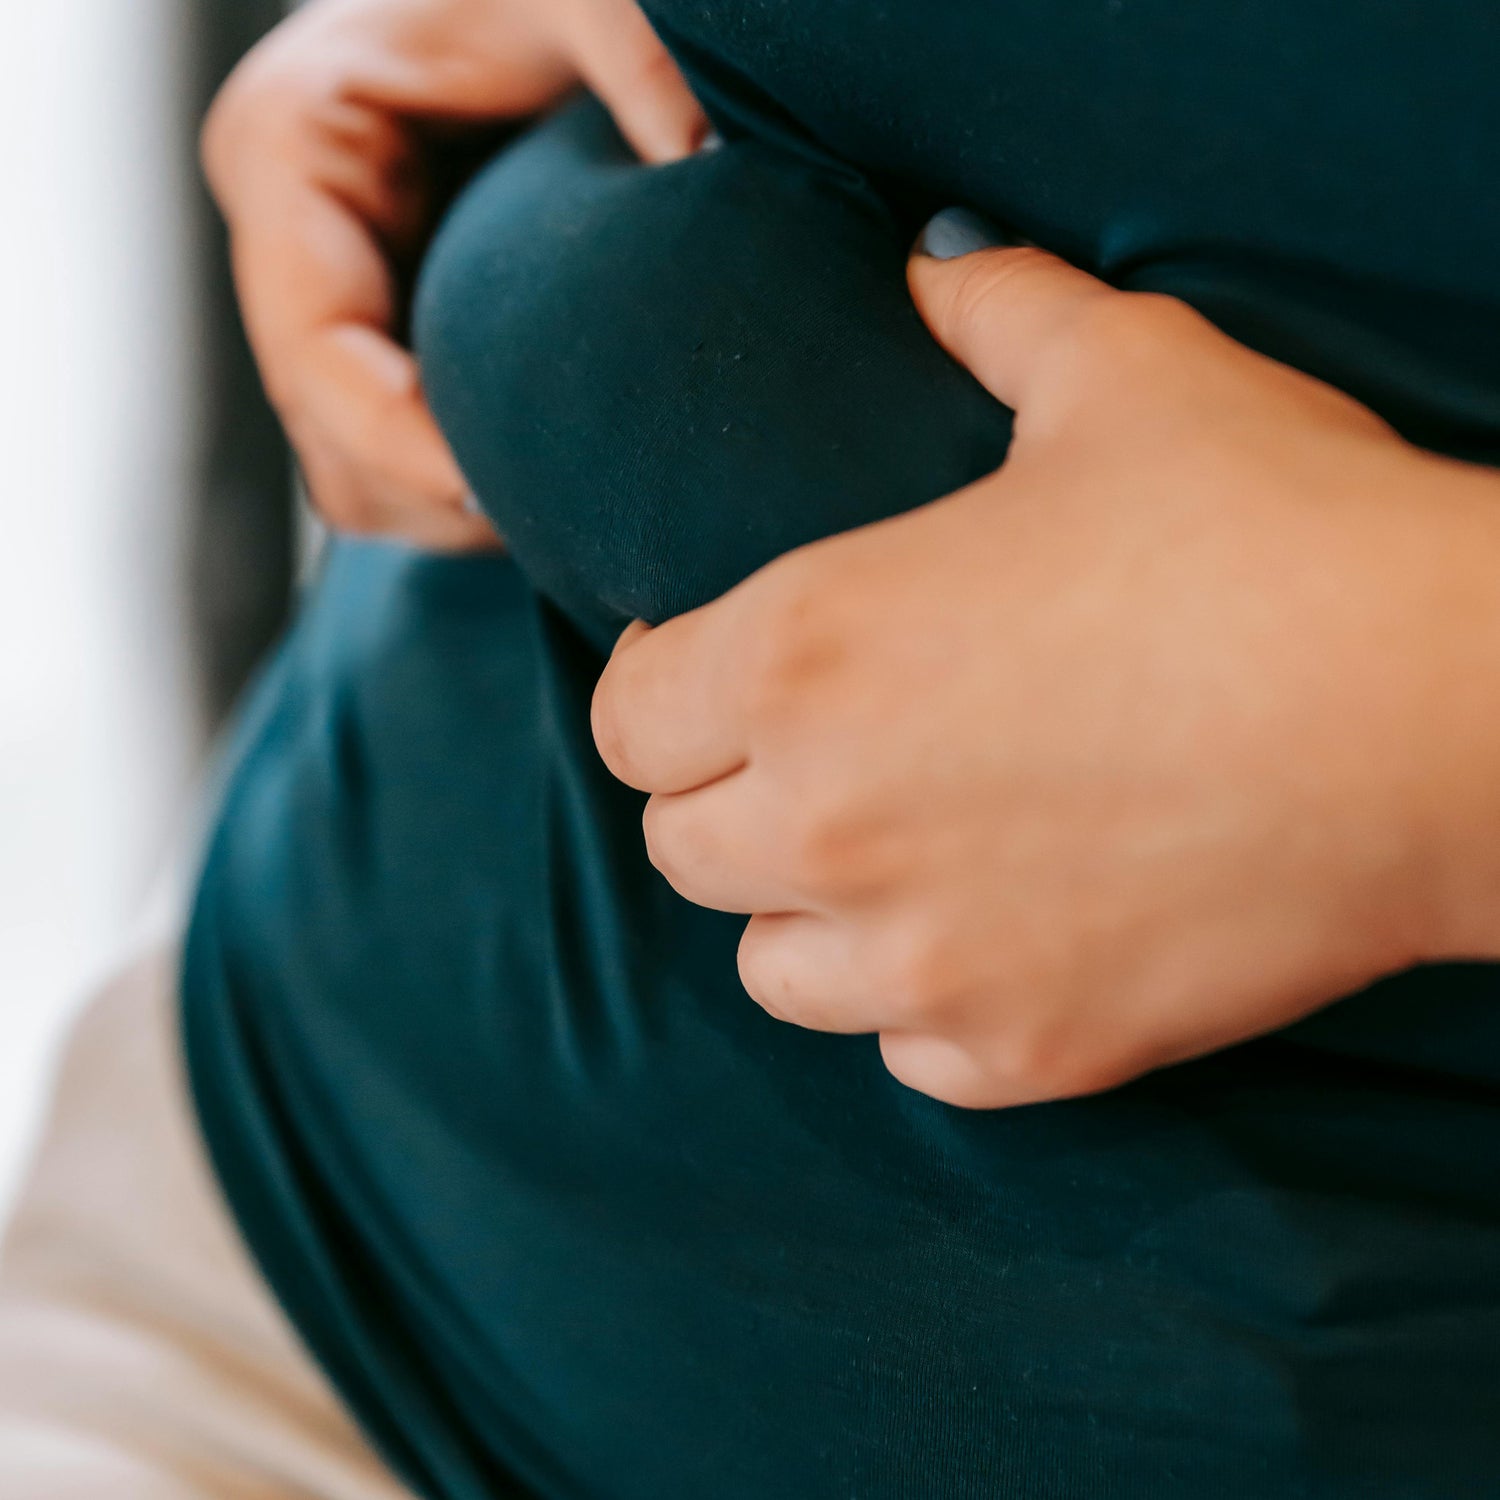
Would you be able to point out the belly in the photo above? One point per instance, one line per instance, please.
(658, 379)
(561, 1211)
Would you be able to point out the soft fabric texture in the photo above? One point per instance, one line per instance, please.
(560, 1211)
(657, 380)
(141, 1357)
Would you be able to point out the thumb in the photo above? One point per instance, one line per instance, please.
(996, 309)
(624, 62)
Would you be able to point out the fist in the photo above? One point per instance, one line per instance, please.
(320, 151)
(1172, 730)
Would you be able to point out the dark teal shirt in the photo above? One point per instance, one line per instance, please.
(558, 1209)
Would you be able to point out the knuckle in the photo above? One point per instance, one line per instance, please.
(904, 1065)
(1109, 328)
(676, 845)
(1037, 1063)
(790, 652)
(1160, 311)
(1025, 1063)
(824, 851)
(920, 971)
(220, 138)
(936, 1068)
(1131, 330)
(659, 841)
(261, 101)
(1017, 1065)
(605, 720)
(763, 975)
(214, 144)
(297, 80)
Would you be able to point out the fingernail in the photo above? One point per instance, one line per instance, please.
(470, 503)
(955, 232)
(712, 141)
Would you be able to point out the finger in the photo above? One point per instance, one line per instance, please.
(354, 499)
(318, 304)
(666, 716)
(629, 636)
(365, 412)
(365, 391)
(810, 971)
(946, 1070)
(718, 846)
(622, 59)
(999, 311)
(987, 1070)
(453, 534)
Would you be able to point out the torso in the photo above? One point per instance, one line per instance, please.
(560, 1211)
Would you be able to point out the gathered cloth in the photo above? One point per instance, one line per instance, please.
(560, 1212)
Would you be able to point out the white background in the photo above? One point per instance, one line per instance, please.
(97, 746)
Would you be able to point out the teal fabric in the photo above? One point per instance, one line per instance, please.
(558, 1209)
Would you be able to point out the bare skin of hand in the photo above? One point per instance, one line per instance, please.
(1176, 728)
(317, 151)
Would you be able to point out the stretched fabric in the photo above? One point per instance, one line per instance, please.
(557, 1208)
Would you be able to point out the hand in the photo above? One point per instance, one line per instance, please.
(1177, 727)
(317, 150)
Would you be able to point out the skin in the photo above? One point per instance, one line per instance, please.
(1174, 729)
(319, 150)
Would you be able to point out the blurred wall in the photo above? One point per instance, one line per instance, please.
(243, 532)
(99, 736)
